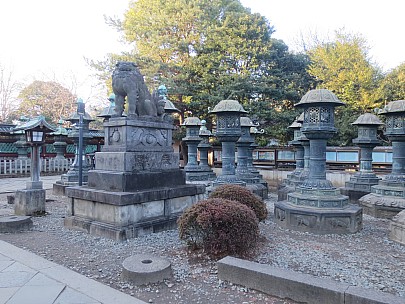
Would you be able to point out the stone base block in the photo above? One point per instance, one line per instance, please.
(118, 232)
(123, 215)
(29, 202)
(127, 182)
(58, 189)
(354, 195)
(259, 189)
(397, 228)
(382, 206)
(319, 220)
(200, 176)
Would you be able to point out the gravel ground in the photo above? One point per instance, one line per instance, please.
(367, 259)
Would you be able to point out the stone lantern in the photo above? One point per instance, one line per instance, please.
(244, 156)
(305, 144)
(21, 143)
(294, 178)
(192, 139)
(31, 201)
(203, 148)
(243, 145)
(388, 197)
(60, 144)
(228, 131)
(361, 182)
(316, 205)
(72, 176)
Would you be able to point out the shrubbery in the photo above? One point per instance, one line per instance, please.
(221, 227)
(243, 196)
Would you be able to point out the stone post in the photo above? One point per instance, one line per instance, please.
(360, 183)
(316, 205)
(228, 132)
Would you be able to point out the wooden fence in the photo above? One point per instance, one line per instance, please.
(22, 166)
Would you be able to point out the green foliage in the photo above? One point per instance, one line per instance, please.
(220, 227)
(205, 51)
(393, 85)
(343, 67)
(47, 98)
(244, 196)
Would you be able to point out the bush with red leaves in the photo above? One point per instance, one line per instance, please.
(220, 227)
(244, 196)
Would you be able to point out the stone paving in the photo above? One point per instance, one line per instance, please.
(26, 278)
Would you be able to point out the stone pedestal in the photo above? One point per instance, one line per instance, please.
(136, 187)
(397, 228)
(29, 202)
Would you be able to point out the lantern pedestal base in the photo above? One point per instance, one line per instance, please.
(318, 220)
(30, 202)
(382, 206)
(397, 228)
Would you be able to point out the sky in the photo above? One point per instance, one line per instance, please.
(49, 39)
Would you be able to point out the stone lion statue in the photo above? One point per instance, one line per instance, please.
(128, 84)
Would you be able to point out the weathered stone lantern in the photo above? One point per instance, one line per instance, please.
(360, 183)
(243, 171)
(72, 176)
(294, 178)
(203, 147)
(253, 170)
(388, 197)
(317, 206)
(228, 131)
(21, 143)
(60, 136)
(243, 144)
(31, 201)
(305, 143)
(192, 140)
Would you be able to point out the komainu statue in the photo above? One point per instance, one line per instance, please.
(128, 84)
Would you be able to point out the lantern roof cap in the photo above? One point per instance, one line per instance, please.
(38, 122)
(393, 106)
(60, 129)
(247, 122)
(300, 119)
(295, 125)
(203, 129)
(317, 96)
(170, 107)
(228, 105)
(191, 121)
(368, 119)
